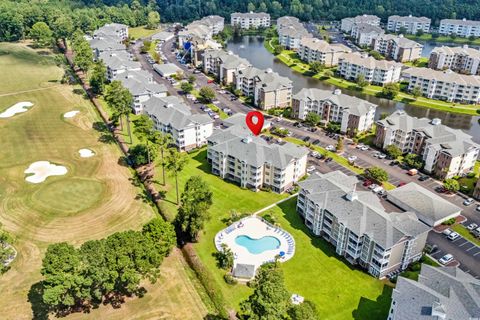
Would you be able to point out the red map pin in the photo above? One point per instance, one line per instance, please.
(255, 127)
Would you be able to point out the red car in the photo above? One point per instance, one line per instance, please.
(401, 184)
(210, 81)
(366, 183)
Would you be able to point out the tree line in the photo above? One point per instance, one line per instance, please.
(187, 10)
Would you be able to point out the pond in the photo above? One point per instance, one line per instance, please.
(252, 49)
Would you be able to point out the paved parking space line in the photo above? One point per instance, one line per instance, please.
(476, 254)
(464, 243)
(472, 247)
(459, 238)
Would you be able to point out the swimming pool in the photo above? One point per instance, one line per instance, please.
(257, 246)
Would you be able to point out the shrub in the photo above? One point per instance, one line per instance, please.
(229, 279)
(449, 222)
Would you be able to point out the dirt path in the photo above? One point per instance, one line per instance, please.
(27, 91)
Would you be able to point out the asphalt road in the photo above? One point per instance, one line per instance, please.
(466, 254)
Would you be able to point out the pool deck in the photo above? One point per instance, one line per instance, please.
(255, 228)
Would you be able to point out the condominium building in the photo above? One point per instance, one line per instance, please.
(195, 31)
(216, 23)
(365, 33)
(439, 293)
(459, 59)
(446, 152)
(347, 24)
(249, 160)
(462, 28)
(114, 30)
(313, 49)
(223, 65)
(444, 85)
(142, 86)
(408, 24)
(118, 62)
(381, 72)
(170, 115)
(105, 44)
(290, 36)
(357, 225)
(250, 20)
(268, 89)
(397, 48)
(287, 21)
(354, 115)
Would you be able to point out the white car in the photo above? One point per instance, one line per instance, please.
(381, 156)
(447, 232)
(360, 146)
(452, 236)
(472, 226)
(468, 202)
(364, 148)
(378, 189)
(373, 186)
(352, 158)
(478, 208)
(314, 153)
(330, 148)
(446, 259)
(311, 169)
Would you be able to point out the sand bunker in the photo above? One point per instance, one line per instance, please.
(41, 170)
(86, 153)
(16, 108)
(71, 114)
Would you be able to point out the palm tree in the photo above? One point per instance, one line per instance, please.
(145, 131)
(175, 163)
(119, 99)
(163, 140)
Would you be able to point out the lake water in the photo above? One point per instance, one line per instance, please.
(429, 46)
(252, 49)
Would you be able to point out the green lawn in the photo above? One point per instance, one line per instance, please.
(465, 233)
(421, 63)
(314, 272)
(142, 32)
(428, 37)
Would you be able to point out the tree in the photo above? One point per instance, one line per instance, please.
(376, 173)
(328, 74)
(119, 99)
(141, 154)
(162, 234)
(419, 33)
(270, 299)
(186, 87)
(163, 141)
(277, 49)
(207, 94)
(144, 129)
(41, 34)
(6, 251)
(83, 57)
(451, 185)
(312, 119)
(224, 257)
(146, 46)
(304, 311)
(98, 77)
(402, 30)
(62, 27)
(416, 92)
(391, 90)
(175, 162)
(413, 161)
(316, 66)
(393, 151)
(339, 146)
(192, 79)
(361, 81)
(377, 55)
(333, 127)
(153, 20)
(193, 211)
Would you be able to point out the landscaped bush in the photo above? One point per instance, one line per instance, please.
(229, 279)
(449, 222)
(471, 175)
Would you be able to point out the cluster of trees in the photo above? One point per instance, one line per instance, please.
(377, 174)
(271, 300)
(54, 19)
(313, 9)
(6, 251)
(104, 270)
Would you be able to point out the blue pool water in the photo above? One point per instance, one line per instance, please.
(257, 246)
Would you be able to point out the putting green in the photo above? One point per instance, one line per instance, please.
(68, 196)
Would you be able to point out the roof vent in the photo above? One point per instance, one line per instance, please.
(337, 92)
(352, 195)
(436, 121)
(247, 139)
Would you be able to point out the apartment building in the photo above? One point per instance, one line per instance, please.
(444, 85)
(223, 65)
(142, 86)
(250, 20)
(397, 48)
(290, 36)
(172, 116)
(380, 72)
(105, 44)
(195, 31)
(118, 62)
(216, 23)
(463, 28)
(268, 89)
(446, 152)
(236, 155)
(357, 225)
(286, 21)
(408, 24)
(112, 30)
(463, 60)
(365, 33)
(347, 24)
(439, 293)
(313, 49)
(354, 115)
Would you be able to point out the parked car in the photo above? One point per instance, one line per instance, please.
(468, 201)
(440, 189)
(314, 153)
(330, 148)
(364, 148)
(452, 236)
(431, 248)
(446, 259)
(378, 189)
(472, 226)
(352, 158)
(360, 146)
(328, 159)
(372, 186)
(210, 81)
(366, 183)
(319, 156)
(423, 178)
(381, 156)
(478, 208)
(447, 232)
(401, 184)
(311, 169)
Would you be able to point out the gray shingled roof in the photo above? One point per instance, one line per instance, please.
(137, 83)
(323, 46)
(409, 19)
(401, 41)
(117, 62)
(244, 271)
(109, 30)
(464, 51)
(355, 105)
(445, 290)
(368, 28)
(171, 111)
(162, 36)
(238, 142)
(229, 60)
(166, 68)
(294, 30)
(447, 76)
(462, 22)
(251, 15)
(365, 215)
(369, 62)
(429, 207)
(106, 44)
